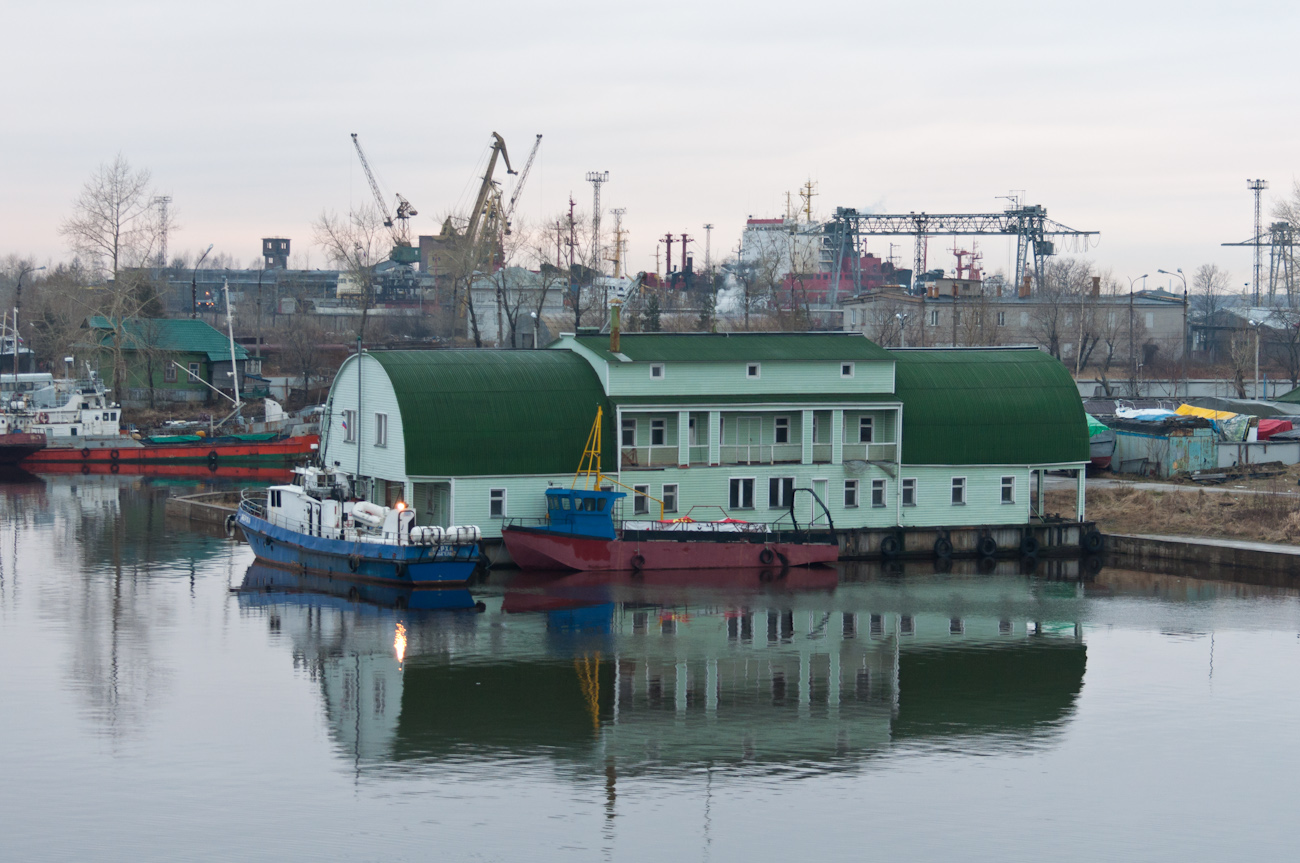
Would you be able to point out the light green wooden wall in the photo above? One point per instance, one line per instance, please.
(791, 376)
(377, 396)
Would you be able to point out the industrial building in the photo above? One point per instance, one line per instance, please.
(732, 421)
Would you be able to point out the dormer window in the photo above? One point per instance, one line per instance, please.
(752, 370)
(656, 371)
(846, 370)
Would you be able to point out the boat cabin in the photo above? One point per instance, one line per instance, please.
(578, 511)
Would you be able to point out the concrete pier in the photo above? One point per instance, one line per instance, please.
(1050, 539)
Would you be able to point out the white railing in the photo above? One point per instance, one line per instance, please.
(634, 457)
(870, 451)
(782, 453)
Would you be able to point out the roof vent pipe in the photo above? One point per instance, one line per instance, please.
(1026, 287)
(613, 328)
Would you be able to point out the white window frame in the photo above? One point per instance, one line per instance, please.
(847, 369)
(851, 494)
(1008, 485)
(753, 371)
(934, 317)
(194, 372)
(350, 426)
(628, 424)
(867, 424)
(657, 371)
(641, 499)
(881, 486)
(381, 429)
(958, 485)
(909, 485)
(1002, 319)
(741, 479)
(780, 480)
(659, 425)
(780, 424)
(668, 494)
(692, 434)
(496, 501)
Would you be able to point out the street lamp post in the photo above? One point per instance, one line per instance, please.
(902, 329)
(1132, 356)
(533, 315)
(18, 303)
(1187, 384)
(1256, 324)
(194, 284)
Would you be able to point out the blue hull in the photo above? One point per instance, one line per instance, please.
(269, 585)
(406, 565)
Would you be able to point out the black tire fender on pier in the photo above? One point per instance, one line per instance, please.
(943, 547)
(1093, 542)
(354, 562)
(889, 546)
(637, 562)
(987, 546)
(1029, 545)
(766, 556)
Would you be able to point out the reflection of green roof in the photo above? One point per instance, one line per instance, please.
(484, 413)
(737, 347)
(167, 334)
(1012, 406)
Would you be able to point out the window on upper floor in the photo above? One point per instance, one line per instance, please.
(657, 371)
(691, 436)
(497, 503)
(850, 493)
(629, 432)
(753, 370)
(934, 318)
(909, 491)
(658, 432)
(742, 493)
(878, 492)
(640, 499)
(866, 430)
(1008, 489)
(349, 426)
(781, 431)
(846, 370)
(669, 496)
(958, 490)
(1002, 319)
(780, 491)
(381, 429)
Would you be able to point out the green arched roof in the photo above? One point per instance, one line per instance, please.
(1012, 406)
(484, 413)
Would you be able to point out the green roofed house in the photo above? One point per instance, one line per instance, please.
(165, 359)
(730, 421)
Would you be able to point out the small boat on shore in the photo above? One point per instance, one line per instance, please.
(580, 533)
(1101, 442)
(313, 527)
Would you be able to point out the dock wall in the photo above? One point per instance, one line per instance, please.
(1247, 563)
(1063, 539)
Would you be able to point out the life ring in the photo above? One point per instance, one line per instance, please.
(889, 546)
(637, 562)
(766, 556)
(114, 467)
(943, 547)
(354, 562)
(1093, 542)
(43, 418)
(1029, 546)
(987, 547)
(114, 454)
(85, 452)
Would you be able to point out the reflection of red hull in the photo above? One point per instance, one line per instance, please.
(281, 452)
(249, 472)
(544, 550)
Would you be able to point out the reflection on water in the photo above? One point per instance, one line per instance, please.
(186, 704)
(673, 669)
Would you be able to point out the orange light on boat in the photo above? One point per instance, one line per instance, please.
(400, 505)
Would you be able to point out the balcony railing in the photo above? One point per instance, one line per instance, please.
(870, 452)
(643, 457)
(782, 453)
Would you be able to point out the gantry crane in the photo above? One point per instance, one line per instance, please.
(398, 225)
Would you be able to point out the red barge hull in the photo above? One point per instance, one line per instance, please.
(16, 446)
(282, 452)
(545, 550)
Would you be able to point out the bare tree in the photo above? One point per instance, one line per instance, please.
(356, 245)
(114, 222)
(301, 350)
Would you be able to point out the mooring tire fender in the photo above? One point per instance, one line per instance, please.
(114, 454)
(1029, 545)
(85, 452)
(766, 556)
(638, 562)
(987, 546)
(1093, 542)
(889, 546)
(354, 562)
(943, 547)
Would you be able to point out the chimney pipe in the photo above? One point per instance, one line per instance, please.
(613, 328)
(1096, 286)
(1026, 287)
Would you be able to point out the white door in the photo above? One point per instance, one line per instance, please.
(816, 515)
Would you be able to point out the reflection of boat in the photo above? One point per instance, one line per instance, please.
(579, 532)
(262, 579)
(262, 473)
(313, 528)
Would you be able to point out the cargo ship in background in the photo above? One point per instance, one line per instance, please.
(68, 425)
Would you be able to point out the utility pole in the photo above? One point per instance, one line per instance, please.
(617, 213)
(1257, 186)
(596, 178)
(194, 284)
(162, 201)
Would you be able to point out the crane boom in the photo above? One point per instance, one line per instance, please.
(519, 184)
(374, 185)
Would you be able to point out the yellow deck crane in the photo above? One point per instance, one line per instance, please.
(398, 224)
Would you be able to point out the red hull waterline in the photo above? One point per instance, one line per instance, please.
(550, 551)
(284, 451)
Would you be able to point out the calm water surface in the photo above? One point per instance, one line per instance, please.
(163, 699)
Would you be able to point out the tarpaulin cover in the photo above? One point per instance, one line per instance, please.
(1234, 428)
(1268, 428)
(1095, 425)
(1193, 411)
(1150, 414)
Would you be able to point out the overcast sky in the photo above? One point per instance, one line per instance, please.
(1139, 120)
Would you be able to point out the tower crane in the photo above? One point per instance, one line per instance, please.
(519, 184)
(398, 225)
